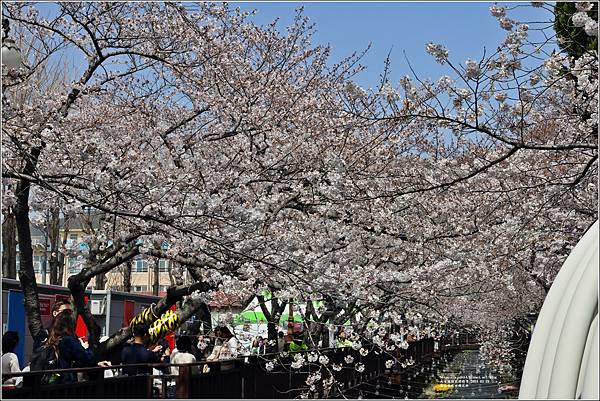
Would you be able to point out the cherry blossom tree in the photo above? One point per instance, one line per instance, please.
(208, 144)
(264, 168)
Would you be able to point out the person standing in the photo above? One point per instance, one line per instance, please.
(280, 341)
(182, 354)
(298, 343)
(228, 348)
(258, 346)
(10, 360)
(203, 348)
(228, 345)
(69, 351)
(137, 353)
(42, 336)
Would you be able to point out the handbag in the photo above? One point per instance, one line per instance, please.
(206, 368)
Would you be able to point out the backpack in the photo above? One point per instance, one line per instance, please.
(43, 358)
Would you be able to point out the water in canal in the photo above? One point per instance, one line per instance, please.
(463, 375)
(451, 375)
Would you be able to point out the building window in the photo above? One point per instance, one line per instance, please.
(162, 288)
(164, 265)
(72, 241)
(139, 288)
(140, 265)
(74, 265)
(37, 264)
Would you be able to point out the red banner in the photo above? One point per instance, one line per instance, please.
(45, 306)
(128, 312)
(171, 336)
(81, 329)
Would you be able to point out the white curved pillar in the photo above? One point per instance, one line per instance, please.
(562, 360)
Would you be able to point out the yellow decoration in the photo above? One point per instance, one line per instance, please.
(144, 317)
(442, 388)
(167, 322)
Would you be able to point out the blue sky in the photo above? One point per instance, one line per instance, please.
(465, 28)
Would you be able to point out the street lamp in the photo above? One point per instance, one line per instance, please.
(11, 56)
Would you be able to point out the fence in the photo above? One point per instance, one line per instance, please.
(246, 377)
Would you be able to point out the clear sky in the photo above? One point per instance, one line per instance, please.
(464, 27)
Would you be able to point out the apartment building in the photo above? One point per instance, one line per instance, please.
(142, 272)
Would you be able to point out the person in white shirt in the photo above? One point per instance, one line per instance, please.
(227, 348)
(182, 354)
(10, 361)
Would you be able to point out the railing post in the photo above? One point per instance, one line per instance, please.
(243, 380)
(250, 373)
(99, 384)
(183, 382)
(37, 386)
(149, 386)
(163, 384)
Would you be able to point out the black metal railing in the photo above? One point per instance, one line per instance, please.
(246, 377)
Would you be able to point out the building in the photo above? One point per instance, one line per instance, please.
(142, 270)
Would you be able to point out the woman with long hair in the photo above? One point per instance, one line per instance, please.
(69, 351)
(228, 344)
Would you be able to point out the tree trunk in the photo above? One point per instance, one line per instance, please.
(100, 281)
(272, 335)
(272, 317)
(9, 245)
(156, 276)
(159, 328)
(61, 256)
(54, 239)
(60, 268)
(205, 317)
(127, 276)
(171, 278)
(78, 291)
(174, 294)
(26, 273)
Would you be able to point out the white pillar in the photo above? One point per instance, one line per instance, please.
(557, 363)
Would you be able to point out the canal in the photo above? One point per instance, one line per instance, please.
(464, 375)
(451, 375)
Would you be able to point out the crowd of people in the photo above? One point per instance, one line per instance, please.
(58, 347)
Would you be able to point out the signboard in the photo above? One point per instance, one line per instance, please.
(61, 296)
(45, 306)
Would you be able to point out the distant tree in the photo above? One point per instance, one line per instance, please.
(573, 38)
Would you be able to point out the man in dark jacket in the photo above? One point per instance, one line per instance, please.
(137, 353)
